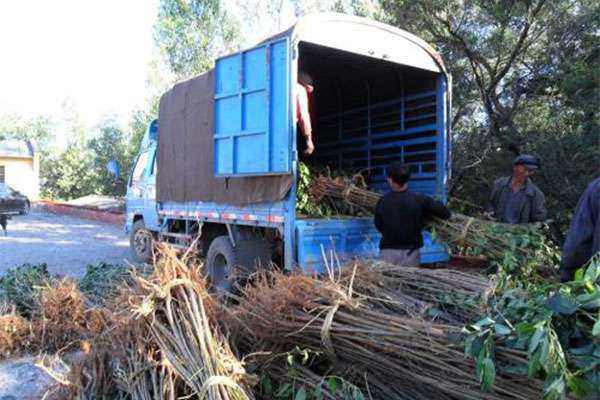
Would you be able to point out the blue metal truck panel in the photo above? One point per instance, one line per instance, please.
(346, 239)
(443, 147)
(416, 138)
(252, 104)
(261, 214)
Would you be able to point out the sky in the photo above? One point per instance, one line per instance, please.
(85, 56)
(90, 58)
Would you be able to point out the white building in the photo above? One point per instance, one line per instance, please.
(20, 167)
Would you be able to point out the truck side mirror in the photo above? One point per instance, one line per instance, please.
(114, 168)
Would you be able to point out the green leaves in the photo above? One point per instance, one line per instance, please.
(554, 388)
(501, 329)
(596, 328)
(301, 394)
(590, 301)
(487, 374)
(592, 272)
(304, 202)
(301, 389)
(480, 345)
(101, 280)
(544, 320)
(562, 304)
(19, 284)
(302, 383)
(332, 384)
(192, 33)
(536, 338)
(284, 391)
(266, 386)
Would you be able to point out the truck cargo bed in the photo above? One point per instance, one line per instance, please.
(347, 239)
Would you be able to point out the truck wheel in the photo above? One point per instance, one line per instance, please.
(220, 260)
(141, 242)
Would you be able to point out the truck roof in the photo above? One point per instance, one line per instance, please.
(365, 37)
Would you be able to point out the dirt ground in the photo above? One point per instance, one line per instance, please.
(65, 243)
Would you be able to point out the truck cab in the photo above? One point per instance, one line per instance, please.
(219, 168)
(142, 218)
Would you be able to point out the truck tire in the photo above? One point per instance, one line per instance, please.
(254, 253)
(221, 259)
(141, 241)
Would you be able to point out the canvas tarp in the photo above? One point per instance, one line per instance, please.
(185, 152)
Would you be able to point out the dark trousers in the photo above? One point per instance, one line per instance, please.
(403, 258)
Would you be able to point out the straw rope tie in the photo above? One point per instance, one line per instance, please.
(465, 230)
(326, 331)
(347, 191)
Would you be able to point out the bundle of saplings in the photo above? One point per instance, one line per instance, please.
(379, 343)
(513, 249)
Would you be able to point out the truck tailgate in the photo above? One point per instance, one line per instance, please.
(349, 238)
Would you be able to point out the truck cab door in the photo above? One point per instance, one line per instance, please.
(150, 211)
(136, 190)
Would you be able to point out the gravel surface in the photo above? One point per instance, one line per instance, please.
(20, 379)
(66, 244)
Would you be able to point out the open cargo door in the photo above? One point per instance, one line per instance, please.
(252, 111)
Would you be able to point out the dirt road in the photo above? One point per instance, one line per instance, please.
(66, 244)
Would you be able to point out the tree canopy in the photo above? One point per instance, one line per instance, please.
(525, 80)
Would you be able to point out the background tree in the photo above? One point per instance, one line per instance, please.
(69, 175)
(110, 143)
(39, 129)
(191, 33)
(526, 77)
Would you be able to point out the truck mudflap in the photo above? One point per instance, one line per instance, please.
(346, 239)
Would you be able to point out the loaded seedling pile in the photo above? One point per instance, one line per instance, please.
(511, 249)
(364, 330)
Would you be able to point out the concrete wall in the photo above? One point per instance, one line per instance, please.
(22, 174)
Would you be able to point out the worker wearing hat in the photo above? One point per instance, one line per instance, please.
(516, 199)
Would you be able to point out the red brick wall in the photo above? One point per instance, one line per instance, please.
(86, 213)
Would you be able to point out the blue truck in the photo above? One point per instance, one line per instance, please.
(218, 169)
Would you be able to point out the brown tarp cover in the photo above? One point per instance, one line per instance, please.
(185, 152)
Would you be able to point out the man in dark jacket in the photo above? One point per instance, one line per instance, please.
(516, 199)
(583, 239)
(399, 217)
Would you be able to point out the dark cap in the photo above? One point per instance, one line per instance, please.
(528, 161)
(305, 78)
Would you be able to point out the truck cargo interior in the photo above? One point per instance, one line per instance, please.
(367, 113)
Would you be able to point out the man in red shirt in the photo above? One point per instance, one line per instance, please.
(304, 89)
